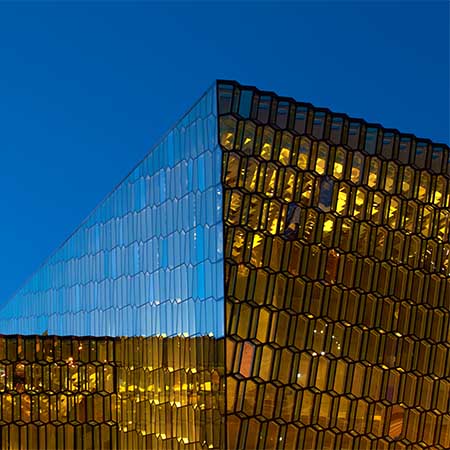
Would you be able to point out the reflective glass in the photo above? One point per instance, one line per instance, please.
(148, 261)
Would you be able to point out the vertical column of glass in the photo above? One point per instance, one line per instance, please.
(148, 261)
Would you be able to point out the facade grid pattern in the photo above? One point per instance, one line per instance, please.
(93, 393)
(337, 279)
(272, 276)
(148, 261)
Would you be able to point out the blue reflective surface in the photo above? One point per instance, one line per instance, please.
(149, 260)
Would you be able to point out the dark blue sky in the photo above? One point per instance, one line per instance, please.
(86, 89)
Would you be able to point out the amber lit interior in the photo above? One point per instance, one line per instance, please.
(337, 274)
(104, 393)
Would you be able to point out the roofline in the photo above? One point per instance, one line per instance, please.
(328, 111)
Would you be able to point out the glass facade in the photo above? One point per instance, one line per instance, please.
(337, 280)
(94, 393)
(272, 276)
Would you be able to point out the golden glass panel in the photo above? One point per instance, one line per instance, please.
(279, 292)
(331, 268)
(269, 400)
(232, 169)
(251, 175)
(443, 225)
(363, 241)
(248, 138)
(310, 224)
(238, 244)
(445, 265)
(267, 143)
(284, 373)
(261, 286)
(443, 395)
(240, 288)
(429, 428)
(304, 153)
(307, 189)
(270, 178)
(346, 234)
(227, 131)
(396, 421)
(439, 190)
(430, 263)
(253, 438)
(291, 437)
(342, 199)
(374, 173)
(379, 418)
(287, 143)
(272, 438)
(325, 410)
(424, 186)
(359, 374)
(307, 405)
(322, 157)
(398, 243)
(360, 203)
(381, 243)
(273, 218)
(394, 212)
(235, 210)
(407, 186)
(343, 413)
(263, 325)
(289, 185)
(361, 416)
(328, 229)
(357, 167)
(410, 218)
(340, 378)
(339, 163)
(412, 425)
(313, 261)
(254, 212)
(390, 181)
(427, 220)
(377, 208)
(276, 253)
(266, 363)
(444, 437)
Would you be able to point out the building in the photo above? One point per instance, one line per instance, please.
(271, 276)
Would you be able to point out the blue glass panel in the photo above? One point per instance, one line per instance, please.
(148, 260)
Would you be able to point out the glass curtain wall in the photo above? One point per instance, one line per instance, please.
(337, 279)
(148, 261)
(116, 341)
